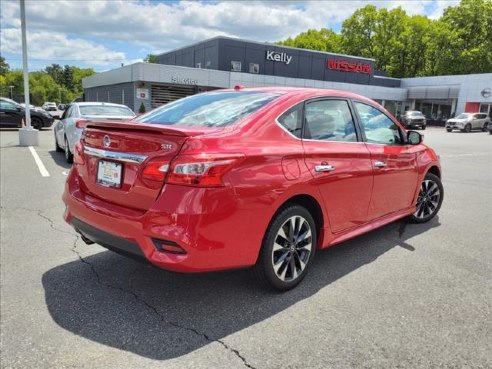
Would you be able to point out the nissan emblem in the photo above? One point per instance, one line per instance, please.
(106, 141)
(486, 92)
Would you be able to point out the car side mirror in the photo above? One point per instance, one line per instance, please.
(414, 138)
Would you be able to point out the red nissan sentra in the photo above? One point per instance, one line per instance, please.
(248, 177)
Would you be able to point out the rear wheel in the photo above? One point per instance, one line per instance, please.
(288, 248)
(429, 200)
(484, 128)
(36, 123)
(68, 154)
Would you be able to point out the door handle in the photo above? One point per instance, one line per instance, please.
(379, 164)
(324, 168)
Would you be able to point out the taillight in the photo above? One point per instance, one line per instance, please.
(81, 123)
(156, 170)
(201, 171)
(78, 154)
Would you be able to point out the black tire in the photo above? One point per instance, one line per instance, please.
(68, 154)
(423, 127)
(281, 259)
(57, 147)
(490, 132)
(429, 200)
(484, 128)
(467, 128)
(449, 130)
(36, 123)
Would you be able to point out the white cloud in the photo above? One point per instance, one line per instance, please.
(57, 46)
(91, 29)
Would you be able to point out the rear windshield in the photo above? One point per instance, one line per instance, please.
(106, 110)
(215, 109)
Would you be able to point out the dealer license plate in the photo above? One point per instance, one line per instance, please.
(109, 173)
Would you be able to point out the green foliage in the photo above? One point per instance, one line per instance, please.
(56, 83)
(150, 58)
(460, 42)
(141, 110)
(4, 67)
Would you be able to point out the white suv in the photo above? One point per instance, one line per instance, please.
(468, 121)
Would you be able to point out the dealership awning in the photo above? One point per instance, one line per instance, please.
(433, 92)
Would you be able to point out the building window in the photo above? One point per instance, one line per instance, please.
(254, 68)
(207, 64)
(236, 66)
(199, 65)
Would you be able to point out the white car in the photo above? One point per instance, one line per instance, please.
(69, 128)
(465, 122)
(49, 106)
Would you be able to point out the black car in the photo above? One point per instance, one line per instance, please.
(12, 114)
(413, 119)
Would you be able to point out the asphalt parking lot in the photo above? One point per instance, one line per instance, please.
(406, 296)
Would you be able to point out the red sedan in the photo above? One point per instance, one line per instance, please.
(248, 177)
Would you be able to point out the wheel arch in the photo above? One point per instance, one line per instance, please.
(313, 206)
(435, 170)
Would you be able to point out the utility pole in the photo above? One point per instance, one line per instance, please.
(27, 135)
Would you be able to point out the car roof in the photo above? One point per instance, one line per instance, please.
(9, 100)
(305, 92)
(98, 103)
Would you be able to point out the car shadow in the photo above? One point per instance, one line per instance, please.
(59, 159)
(161, 315)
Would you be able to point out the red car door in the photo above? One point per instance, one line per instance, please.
(393, 162)
(339, 163)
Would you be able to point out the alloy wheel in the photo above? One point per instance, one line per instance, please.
(291, 249)
(428, 200)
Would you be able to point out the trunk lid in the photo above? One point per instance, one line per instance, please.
(115, 154)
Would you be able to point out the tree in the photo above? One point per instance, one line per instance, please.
(322, 40)
(141, 110)
(358, 32)
(4, 67)
(150, 58)
(56, 72)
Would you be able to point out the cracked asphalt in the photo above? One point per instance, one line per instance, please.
(406, 296)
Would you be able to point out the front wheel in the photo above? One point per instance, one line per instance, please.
(429, 200)
(448, 129)
(423, 127)
(467, 128)
(288, 248)
(68, 154)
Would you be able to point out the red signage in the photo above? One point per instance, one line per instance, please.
(349, 66)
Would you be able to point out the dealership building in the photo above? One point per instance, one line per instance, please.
(224, 62)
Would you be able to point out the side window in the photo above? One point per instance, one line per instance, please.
(329, 120)
(7, 105)
(377, 127)
(291, 120)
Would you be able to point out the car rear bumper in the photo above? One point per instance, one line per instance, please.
(213, 237)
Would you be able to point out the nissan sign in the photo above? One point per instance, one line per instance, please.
(278, 57)
(349, 66)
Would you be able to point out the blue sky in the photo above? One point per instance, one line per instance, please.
(104, 34)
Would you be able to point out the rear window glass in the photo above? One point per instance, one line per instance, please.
(105, 110)
(210, 109)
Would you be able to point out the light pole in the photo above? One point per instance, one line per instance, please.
(27, 135)
(11, 92)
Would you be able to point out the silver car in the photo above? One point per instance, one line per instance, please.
(466, 122)
(69, 128)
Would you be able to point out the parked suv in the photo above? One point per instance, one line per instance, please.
(413, 118)
(466, 122)
(12, 114)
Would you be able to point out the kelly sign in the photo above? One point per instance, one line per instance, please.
(278, 57)
(349, 66)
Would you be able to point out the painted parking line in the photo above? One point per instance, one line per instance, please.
(41, 167)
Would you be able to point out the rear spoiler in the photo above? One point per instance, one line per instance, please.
(143, 127)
